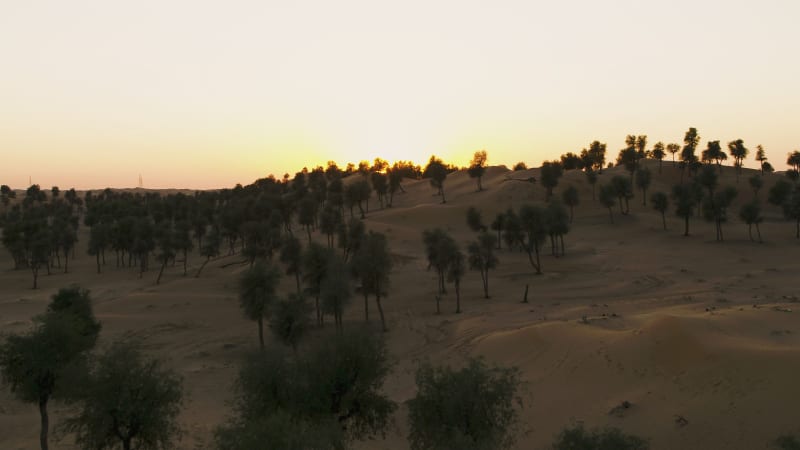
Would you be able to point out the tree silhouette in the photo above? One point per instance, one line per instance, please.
(658, 153)
(673, 149)
(166, 245)
(750, 213)
(474, 407)
(128, 401)
(714, 153)
(289, 320)
(42, 364)
(439, 247)
(571, 161)
(533, 227)
(685, 198)
(497, 225)
(715, 208)
(623, 191)
(335, 292)
(688, 157)
(257, 292)
(787, 196)
(481, 257)
(557, 223)
(332, 391)
(291, 256)
(595, 157)
(520, 166)
(455, 271)
(570, 198)
(380, 183)
(210, 249)
(436, 171)
(756, 183)
(793, 160)
(372, 265)
(643, 180)
(608, 198)
(761, 157)
(738, 152)
(550, 173)
(661, 204)
(307, 214)
(477, 167)
(474, 221)
(315, 261)
(591, 178)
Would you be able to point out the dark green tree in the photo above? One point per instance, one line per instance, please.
(472, 408)
(578, 438)
(455, 272)
(685, 198)
(436, 171)
(643, 180)
(128, 402)
(477, 167)
(761, 157)
(658, 153)
(623, 191)
(210, 248)
(660, 203)
(314, 264)
(716, 208)
(570, 198)
(289, 319)
(550, 173)
(257, 292)
(738, 152)
(474, 221)
(750, 213)
(533, 231)
(372, 265)
(335, 291)
(481, 257)
(591, 178)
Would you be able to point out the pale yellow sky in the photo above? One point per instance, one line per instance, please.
(203, 94)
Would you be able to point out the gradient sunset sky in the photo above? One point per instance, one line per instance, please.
(202, 94)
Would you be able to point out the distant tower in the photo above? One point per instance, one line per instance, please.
(141, 185)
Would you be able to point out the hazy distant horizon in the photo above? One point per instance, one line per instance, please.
(204, 95)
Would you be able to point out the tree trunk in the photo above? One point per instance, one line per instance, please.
(561, 238)
(759, 233)
(98, 262)
(438, 301)
(126, 443)
(611, 215)
(380, 310)
(664, 220)
(525, 296)
(458, 296)
(750, 231)
(297, 280)
(316, 306)
(161, 271)
(686, 229)
(571, 213)
(261, 332)
(45, 422)
(486, 283)
(366, 308)
(35, 270)
(185, 258)
(66, 264)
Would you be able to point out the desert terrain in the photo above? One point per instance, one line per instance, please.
(701, 337)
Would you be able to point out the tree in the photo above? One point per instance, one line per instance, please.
(257, 292)
(128, 400)
(643, 180)
(550, 173)
(380, 183)
(315, 261)
(455, 271)
(307, 214)
(793, 160)
(750, 213)
(182, 241)
(481, 258)
(474, 221)
(685, 200)
(497, 225)
(673, 149)
(594, 157)
(713, 153)
(761, 157)
(533, 230)
(716, 208)
(210, 249)
(688, 157)
(570, 197)
(439, 246)
(520, 166)
(38, 366)
(477, 167)
(557, 224)
(578, 438)
(624, 191)
(289, 320)
(658, 153)
(661, 204)
(608, 197)
(739, 152)
(166, 246)
(372, 265)
(333, 388)
(591, 178)
(436, 171)
(571, 161)
(472, 408)
(335, 291)
(291, 256)
(756, 183)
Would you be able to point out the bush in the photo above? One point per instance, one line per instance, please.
(578, 438)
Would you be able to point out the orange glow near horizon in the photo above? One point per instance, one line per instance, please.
(206, 95)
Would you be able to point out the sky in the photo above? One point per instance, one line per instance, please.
(200, 94)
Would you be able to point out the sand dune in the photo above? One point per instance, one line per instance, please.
(677, 326)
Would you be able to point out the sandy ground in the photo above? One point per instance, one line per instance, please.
(680, 327)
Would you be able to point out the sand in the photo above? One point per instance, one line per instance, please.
(701, 337)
